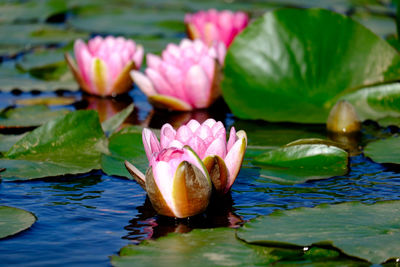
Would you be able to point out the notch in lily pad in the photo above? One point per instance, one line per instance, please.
(303, 160)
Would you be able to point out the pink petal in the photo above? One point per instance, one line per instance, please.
(217, 147)
(232, 139)
(183, 134)
(209, 122)
(84, 60)
(143, 83)
(198, 87)
(205, 133)
(167, 135)
(198, 145)
(153, 61)
(208, 64)
(159, 83)
(138, 56)
(174, 77)
(233, 160)
(193, 125)
(218, 129)
(150, 143)
(175, 143)
(163, 174)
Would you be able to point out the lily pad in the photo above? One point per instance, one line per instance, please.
(125, 145)
(376, 102)
(14, 220)
(384, 151)
(69, 144)
(8, 140)
(11, 79)
(367, 232)
(299, 162)
(220, 247)
(36, 34)
(291, 70)
(112, 124)
(29, 116)
(48, 101)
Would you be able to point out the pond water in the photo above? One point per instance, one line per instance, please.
(84, 219)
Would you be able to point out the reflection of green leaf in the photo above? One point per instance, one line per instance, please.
(28, 116)
(112, 124)
(376, 102)
(125, 145)
(384, 151)
(369, 232)
(292, 71)
(14, 220)
(69, 144)
(302, 162)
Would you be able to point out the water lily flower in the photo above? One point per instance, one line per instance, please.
(104, 64)
(213, 25)
(185, 77)
(222, 158)
(177, 183)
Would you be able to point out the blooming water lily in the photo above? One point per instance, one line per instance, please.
(177, 183)
(103, 65)
(185, 77)
(213, 25)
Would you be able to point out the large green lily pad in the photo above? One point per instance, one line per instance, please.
(220, 247)
(301, 162)
(14, 220)
(28, 116)
(125, 145)
(377, 102)
(69, 144)
(8, 140)
(285, 67)
(384, 150)
(369, 232)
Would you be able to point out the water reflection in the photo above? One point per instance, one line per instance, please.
(148, 224)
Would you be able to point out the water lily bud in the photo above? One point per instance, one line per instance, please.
(185, 77)
(103, 65)
(176, 182)
(343, 119)
(222, 158)
(213, 25)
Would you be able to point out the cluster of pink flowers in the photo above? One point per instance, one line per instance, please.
(187, 164)
(185, 77)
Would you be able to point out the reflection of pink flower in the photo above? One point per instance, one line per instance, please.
(185, 77)
(222, 159)
(213, 25)
(104, 64)
(177, 183)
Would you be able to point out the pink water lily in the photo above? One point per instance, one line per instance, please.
(222, 158)
(177, 183)
(213, 25)
(185, 77)
(103, 65)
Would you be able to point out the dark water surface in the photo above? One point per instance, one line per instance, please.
(82, 220)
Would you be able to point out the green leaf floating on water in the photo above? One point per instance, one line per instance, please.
(112, 124)
(125, 145)
(8, 140)
(302, 161)
(377, 103)
(384, 150)
(69, 144)
(369, 232)
(220, 247)
(28, 116)
(284, 67)
(14, 220)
